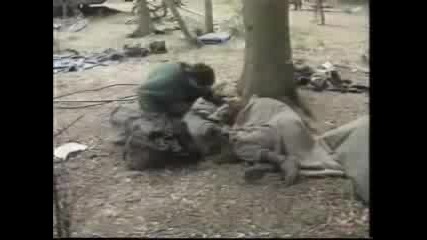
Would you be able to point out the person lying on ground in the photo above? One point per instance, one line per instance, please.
(270, 137)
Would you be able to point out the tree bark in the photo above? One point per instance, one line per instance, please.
(319, 10)
(208, 16)
(268, 70)
(64, 9)
(192, 40)
(144, 20)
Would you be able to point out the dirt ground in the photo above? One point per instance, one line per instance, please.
(208, 200)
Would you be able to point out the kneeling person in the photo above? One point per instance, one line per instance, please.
(172, 88)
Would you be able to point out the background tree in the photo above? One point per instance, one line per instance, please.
(191, 39)
(144, 20)
(208, 16)
(268, 67)
(319, 12)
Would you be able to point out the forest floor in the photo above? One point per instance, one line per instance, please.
(208, 200)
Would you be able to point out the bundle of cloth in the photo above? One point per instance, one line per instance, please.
(271, 137)
(267, 135)
(156, 140)
(152, 140)
(350, 143)
(325, 77)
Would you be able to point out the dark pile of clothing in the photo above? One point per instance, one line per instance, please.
(153, 140)
(72, 61)
(325, 77)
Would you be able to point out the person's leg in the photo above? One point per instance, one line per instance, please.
(257, 171)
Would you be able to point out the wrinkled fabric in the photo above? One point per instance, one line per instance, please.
(351, 144)
(205, 124)
(153, 140)
(291, 136)
(252, 143)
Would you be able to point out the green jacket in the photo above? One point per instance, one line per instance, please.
(167, 85)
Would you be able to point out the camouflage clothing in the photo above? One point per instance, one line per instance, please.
(169, 89)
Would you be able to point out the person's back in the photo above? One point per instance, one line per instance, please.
(173, 87)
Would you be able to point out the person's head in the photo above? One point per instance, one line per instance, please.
(203, 74)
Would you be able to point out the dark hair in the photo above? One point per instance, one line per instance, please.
(202, 73)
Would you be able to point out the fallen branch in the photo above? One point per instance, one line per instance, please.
(94, 90)
(67, 127)
(94, 101)
(81, 107)
(99, 102)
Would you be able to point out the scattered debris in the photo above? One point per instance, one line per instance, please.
(352, 10)
(70, 25)
(325, 77)
(358, 68)
(78, 26)
(158, 47)
(135, 51)
(327, 66)
(56, 26)
(73, 61)
(159, 30)
(215, 38)
(63, 152)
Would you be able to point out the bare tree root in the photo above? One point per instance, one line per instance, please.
(95, 89)
(67, 127)
(94, 101)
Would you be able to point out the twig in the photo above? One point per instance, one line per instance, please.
(94, 90)
(93, 105)
(94, 101)
(69, 125)
(81, 107)
(98, 102)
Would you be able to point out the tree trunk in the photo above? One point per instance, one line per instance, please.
(268, 67)
(319, 10)
(192, 40)
(208, 16)
(64, 9)
(268, 70)
(144, 20)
